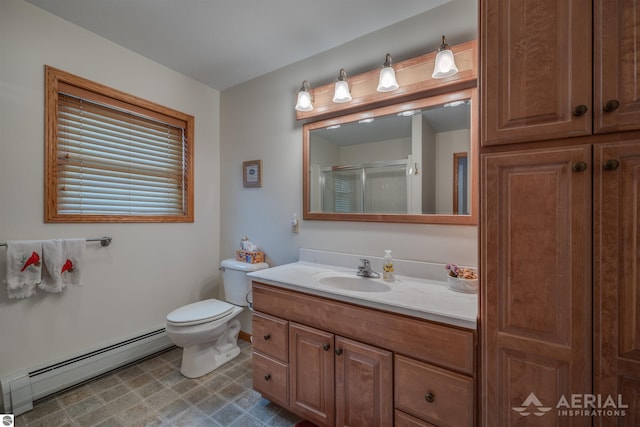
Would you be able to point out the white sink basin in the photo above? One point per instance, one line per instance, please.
(353, 283)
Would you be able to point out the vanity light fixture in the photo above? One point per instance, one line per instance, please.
(341, 92)
(332, 127)
(445, 65)
(387, 81)
(304, 98)
(407, 113)
(367, 120)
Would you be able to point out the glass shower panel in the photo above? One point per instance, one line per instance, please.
(385, 189)
(342, 191)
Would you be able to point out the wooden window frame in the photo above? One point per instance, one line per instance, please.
(55, 79)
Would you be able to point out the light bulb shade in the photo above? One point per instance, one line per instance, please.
(304, 101)
(445, 65)
(341, 92)
(387, 81)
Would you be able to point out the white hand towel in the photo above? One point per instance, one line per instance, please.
(52, 254)
(24, 267)
(72, 261)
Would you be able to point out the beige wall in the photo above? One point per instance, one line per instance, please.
(149, 269)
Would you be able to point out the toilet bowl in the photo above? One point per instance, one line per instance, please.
(208, 330)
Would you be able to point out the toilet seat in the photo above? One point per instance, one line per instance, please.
(199, 312)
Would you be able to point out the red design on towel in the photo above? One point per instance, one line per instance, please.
(34, 259)
(68, 266)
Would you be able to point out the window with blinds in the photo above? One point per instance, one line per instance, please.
(112, 157)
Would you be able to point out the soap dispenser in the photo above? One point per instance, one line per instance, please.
(387, 266)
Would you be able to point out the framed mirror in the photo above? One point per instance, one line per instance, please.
(413, 162)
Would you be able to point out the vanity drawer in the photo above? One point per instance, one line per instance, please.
(271, 378)
(270, 336)
(436, 395)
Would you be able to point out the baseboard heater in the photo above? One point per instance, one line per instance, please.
(20, 390)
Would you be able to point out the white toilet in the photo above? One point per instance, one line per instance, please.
(207, 330)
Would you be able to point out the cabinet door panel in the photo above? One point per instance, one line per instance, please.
(536, 268)
(364, 384)
(311, 367)
(536, 69)
(616, 64)
(617, 277)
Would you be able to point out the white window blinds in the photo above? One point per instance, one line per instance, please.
(114, 162)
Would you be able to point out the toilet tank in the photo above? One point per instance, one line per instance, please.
(235, 281)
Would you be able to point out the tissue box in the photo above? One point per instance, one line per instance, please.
(249, 256)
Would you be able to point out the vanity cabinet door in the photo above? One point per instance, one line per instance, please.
(617, 278)
(312, 371)
(536, 281)
(536, 70)
(364, 384)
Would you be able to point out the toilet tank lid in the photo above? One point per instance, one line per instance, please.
(243, 266)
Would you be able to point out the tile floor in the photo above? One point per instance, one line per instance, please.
(152, 392)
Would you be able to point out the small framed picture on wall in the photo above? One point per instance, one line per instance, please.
(252, 173)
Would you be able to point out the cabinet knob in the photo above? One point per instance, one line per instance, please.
(579, 167)
(580, 110)
(611, 105)
(611, 164)
(267, 337)
(267, 377)
(429, 397)
(338, 351)
(326, 347)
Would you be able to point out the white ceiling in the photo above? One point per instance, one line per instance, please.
(222, 43)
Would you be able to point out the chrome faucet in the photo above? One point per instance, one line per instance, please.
(364, 270)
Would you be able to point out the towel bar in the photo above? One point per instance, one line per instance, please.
(104, 241)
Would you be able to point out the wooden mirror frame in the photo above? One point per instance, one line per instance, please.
(471, 219)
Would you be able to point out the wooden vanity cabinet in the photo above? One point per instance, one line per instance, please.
(349, 365)
(543, 78)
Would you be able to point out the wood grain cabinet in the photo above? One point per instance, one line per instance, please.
(560, 229)
(617, 278)
(543, 78)
(536, 275)
(382, 369)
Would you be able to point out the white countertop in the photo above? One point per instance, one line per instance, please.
(423, 298)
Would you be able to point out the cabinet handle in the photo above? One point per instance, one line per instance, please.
(338, 351)
(326, 347)
(429, 397)
(580, 110)
(267, 377)
(611, 164)
(611, 105)
(267, 337)
(579, 167)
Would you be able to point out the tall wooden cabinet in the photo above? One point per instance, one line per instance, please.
(536, 269)
(560, 214)
(617, 277)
